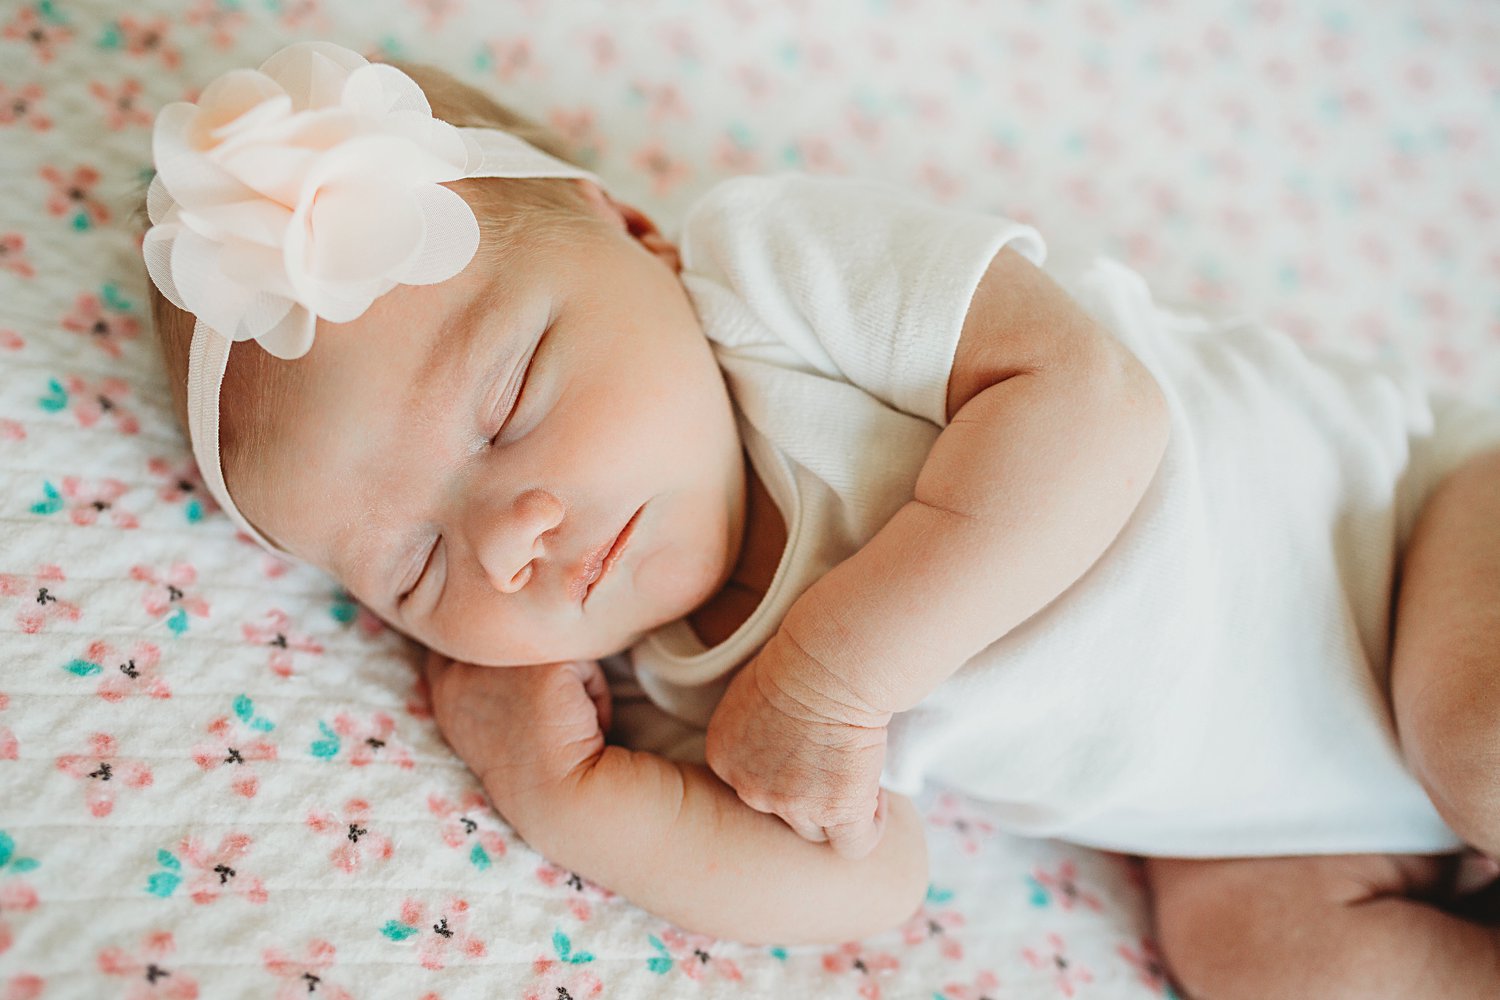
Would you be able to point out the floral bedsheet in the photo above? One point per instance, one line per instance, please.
(218, 775)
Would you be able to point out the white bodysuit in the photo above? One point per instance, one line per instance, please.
(1214, 684)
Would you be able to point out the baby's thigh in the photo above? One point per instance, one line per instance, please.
(1269, 927)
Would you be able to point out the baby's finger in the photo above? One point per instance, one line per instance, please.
(857, 839)
(596, 686)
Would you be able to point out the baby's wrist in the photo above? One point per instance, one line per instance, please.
(816, 685)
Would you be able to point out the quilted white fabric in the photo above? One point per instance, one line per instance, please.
(218, 777)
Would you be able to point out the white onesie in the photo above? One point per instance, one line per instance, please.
(1213, 685)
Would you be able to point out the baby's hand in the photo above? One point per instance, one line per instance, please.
(525, 731)
(789, 749)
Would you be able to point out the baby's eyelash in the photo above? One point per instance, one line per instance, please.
(421, 575)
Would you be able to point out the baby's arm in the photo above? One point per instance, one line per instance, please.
(1055, 432)
(670, 837)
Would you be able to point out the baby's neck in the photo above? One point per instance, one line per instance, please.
(760, 554)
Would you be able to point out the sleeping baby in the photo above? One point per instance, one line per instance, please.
(849, 482)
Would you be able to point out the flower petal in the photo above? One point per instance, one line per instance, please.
(313, 73)
(363, 228)
(156, 247)
(187, 174)
(292, 337)
(235, 102)
(378, 89)
(450, 237)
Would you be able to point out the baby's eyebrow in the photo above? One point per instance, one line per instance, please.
(458, 332)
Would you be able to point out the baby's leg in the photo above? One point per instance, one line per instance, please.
(1338, 926)
(1445, 667)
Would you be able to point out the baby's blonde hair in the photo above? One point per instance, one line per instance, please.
(512, 212)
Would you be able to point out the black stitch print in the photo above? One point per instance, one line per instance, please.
(442, 927)
(574, 882)
(279, 642)
(373, 743)
(103, 773)
(234, 757)
(185, 486)
(100, 505)
(42, 597)
(701, 955)
(563, 994)
(355, 832)
(155, 972)
(225, 873)
(312, 982)
(173, 594)
(128, 668)
(469, 825)
(106, 404)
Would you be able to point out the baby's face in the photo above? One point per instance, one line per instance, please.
(427, 457)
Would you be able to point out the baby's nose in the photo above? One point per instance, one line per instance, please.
(507, 538)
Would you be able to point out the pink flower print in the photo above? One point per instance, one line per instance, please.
(733, 154)
(665, 172)
(38, 594)
(144, 38)
(852, 957)
(20, 106)
(1148, 965)
(580, 889)
(304, 977)
(86, 501)
(167, 596)
(982, 988)
(11, 430)
(220, 871)
(367, 740)
(12, 250)
(16, 896)
(935, 925)
(356, 839)
(663, 101)
(221, 19)
(40, 28)
(816, 155)
(10, 747)
(971, 828)
(72, 196)
(146, 970)
(562, 979)
(467, 825)
(237, 744)
(944, 184)
(122, 104)
(123, 676)
(1062, 886)
(93, 401)
(1065, 975)
(437, 11)
(283, 640)
(445, 931)
(296, 13)
(25, 986)
(581, 130)
(105, 321)
(103, 772)
(183, 483)
(692, 955)
(510, 58)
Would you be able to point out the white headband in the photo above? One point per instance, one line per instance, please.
(302, 191)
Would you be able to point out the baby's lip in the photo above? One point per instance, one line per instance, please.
(582, 579)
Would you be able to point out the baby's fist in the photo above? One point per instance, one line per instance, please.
(792, 752)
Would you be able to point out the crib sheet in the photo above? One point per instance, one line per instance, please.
(219, 776)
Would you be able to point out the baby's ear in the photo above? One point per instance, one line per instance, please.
(637, 223)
